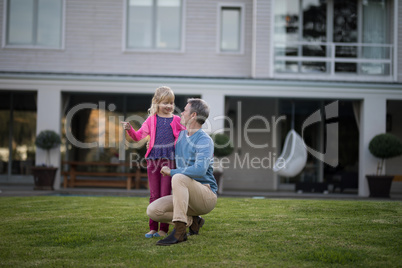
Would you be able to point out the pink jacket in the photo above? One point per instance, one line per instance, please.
(149, 128)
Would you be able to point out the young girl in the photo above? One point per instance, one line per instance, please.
(163, 128)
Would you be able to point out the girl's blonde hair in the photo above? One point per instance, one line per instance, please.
(161, 94)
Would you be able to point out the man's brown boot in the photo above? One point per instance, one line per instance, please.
(198, 222)
(176, 236)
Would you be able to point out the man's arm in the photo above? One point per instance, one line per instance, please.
(203, 155)
(165, 171)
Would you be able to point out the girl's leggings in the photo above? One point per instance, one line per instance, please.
(159, 185)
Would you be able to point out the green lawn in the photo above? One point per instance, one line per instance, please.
(71, 231)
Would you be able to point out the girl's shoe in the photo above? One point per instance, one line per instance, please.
(160, 234)
(150, 234)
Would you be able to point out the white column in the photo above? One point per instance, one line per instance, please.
(215, 122)
(372, 122)
(48, 118)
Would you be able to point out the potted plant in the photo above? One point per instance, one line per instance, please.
(222, 147)
(44, 175)
(382, 146)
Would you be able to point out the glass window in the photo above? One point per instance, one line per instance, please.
(314, 30)
(34, 23)
(17, 132)
(286, 34)
(5, 112)
(375, 33)
(230, 29)
(102, 125)
(345, 31)
(333, 37)
(24, 133)
(154, 24)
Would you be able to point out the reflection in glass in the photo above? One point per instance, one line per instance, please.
(286, 66)
(286, 31)
(313, 67)
(345, 31)
(353, 30)
(314, 20)
(102, 126)
(314, 50)
(23, 145)
(4, 132)
(17, 132)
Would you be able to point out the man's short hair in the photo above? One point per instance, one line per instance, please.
(200, 107)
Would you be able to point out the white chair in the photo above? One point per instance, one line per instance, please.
(293, 157)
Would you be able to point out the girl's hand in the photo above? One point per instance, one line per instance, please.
(126, 125)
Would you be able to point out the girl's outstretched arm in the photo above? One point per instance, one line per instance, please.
(136, 135)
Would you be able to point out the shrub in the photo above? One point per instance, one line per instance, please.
(222, 145)
(47, 139)
(385, 146)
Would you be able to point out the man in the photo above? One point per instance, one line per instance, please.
(193, 184)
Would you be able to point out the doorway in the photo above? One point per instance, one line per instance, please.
(18, 113)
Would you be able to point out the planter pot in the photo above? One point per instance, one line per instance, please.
(380, 186)
(44, 177)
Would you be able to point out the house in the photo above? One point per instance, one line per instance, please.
(328, 69)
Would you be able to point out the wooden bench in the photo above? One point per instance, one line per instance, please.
(397, 178)
(132, 177)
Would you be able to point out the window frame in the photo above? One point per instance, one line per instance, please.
(126, 49)
(242, 8)
(33, 46)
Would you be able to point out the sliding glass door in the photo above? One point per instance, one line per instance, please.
(17, 135)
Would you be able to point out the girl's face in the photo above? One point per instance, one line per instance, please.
(165, 107)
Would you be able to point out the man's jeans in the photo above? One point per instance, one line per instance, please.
(189, 198)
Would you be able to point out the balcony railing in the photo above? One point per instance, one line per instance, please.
(334, 59)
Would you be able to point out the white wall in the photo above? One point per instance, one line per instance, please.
(49, 118)
(216, 102)
(94, 42)
(372, 122)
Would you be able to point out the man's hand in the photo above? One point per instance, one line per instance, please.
(126, 125)
(165, 171)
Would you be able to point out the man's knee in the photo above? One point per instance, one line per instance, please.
(154, 211)
(180, 179)
(151, 211)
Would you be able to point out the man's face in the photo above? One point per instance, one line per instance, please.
(186, 117)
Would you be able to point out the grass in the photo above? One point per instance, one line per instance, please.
(71, 231)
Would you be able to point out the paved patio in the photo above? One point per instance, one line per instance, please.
(27, 190)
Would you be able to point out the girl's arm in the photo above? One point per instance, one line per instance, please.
(177, 127)
(139, 134)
